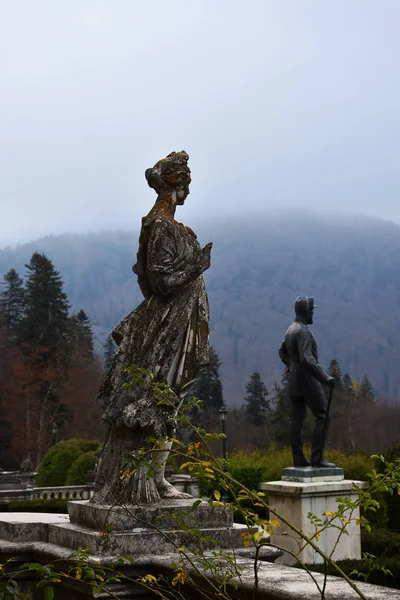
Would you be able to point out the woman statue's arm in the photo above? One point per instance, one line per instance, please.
(167, 271)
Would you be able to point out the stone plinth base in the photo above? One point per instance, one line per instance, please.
(140, 541)
(312, 474)
(166, 514)
(294, 500)
(151, 529)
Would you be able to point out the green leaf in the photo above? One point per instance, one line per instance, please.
(48, 593)
(130, 559)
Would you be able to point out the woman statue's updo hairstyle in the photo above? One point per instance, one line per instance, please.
(168, 172)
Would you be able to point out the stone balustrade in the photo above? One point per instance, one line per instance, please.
(64, 492)
(183, 483)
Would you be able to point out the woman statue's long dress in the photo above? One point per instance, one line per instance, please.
(167, 334)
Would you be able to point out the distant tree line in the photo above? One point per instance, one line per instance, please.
(49, 373)
(358, 420)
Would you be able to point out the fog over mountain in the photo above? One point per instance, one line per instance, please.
(278, 103)
(259, 265)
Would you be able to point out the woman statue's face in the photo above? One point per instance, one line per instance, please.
(182, 192)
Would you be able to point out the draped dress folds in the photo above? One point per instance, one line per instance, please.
(167, 333)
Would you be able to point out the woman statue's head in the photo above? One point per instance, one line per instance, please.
(171, 174)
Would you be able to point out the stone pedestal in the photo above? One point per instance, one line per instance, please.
(294, 500)
(312, 474)
(157, 528)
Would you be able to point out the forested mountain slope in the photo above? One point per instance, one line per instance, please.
(259, 265)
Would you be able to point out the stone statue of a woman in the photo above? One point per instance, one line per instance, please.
(167, 334)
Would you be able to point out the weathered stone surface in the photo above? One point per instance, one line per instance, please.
(167, 334)
(294, 501)
(165, 514)
(265, 553)
(311, 474)
(279, 582)
(287, 583)
(295, 488)
(276, 582)
(57, 530)
(143, 540)
(26, 527)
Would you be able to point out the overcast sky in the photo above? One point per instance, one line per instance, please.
(278, 103)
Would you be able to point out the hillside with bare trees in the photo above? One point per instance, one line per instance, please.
(259, 265)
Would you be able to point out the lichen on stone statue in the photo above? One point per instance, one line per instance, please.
(167, 334)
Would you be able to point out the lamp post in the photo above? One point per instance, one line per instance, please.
(55, 431)
(223, 411)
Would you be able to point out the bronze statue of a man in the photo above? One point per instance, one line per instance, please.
(299, 353)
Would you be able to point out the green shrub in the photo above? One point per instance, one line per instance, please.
(54, 467)
(273, 460)
(376, 577)
(355, 466)
(250, 477)
(393, 512)
(379, 519)
(392, 454)
(41, 506)
(251, 468)
(381, 542)
(207, 485)
(78, 471)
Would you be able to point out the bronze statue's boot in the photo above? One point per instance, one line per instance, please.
(323, 463)
(302, 462)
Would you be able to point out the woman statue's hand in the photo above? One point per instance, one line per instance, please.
(206, 256)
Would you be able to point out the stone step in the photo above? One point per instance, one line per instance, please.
(141, 540)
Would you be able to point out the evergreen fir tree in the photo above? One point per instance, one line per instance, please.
(335, 371)
(45, 321)
(12, 303)
(45, 329)
(366, 389)
(347, 383)
(278, 419)
(257, 404)
(208, 386)
(350, 407)
(110, 349)
(81, 334)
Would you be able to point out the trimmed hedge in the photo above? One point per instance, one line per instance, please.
(251, 468)
(53, 470)
(381, 542)
(392, 454)
(78, 471)
(376, 577)
(40, 506)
